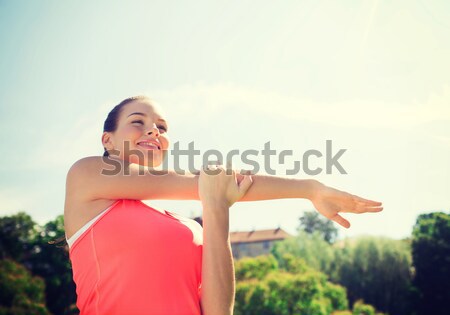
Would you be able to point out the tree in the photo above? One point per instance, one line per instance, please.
(359, 308)
(16, 235)
(312, 222)
(431, 259)
(249, 268)
(312, 248)
(20, 292)
(294, 288)
(51, 262)
(377, 270)
(29, 244)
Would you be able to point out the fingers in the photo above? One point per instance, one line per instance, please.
(212, 169)
(362, 208)
(366, 201)
(341, 221)
(245, 184)
(373, 209)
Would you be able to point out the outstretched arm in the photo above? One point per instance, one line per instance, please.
(267, 187)
(106, 178)
(327, 200)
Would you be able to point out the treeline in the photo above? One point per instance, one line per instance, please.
(266, 287)
(35, 273)
(312, 273)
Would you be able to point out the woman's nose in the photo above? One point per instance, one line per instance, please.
(154, 131)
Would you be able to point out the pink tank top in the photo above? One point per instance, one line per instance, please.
(136, 260)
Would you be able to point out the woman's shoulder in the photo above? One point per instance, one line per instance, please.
(101, 177)
(92, 166)
(87, 163)
(78, 174)
(80, 205)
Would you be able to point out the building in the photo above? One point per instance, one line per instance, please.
(255, 243)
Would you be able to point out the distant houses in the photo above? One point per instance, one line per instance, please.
(253, 243)
(256, 242)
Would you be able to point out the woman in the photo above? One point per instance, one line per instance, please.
(129, 258)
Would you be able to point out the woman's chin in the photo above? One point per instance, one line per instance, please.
(151, 164)
(148, 161)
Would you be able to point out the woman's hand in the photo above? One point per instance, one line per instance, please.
(217, 189)
(329, 202)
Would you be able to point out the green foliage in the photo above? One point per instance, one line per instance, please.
(293, 288)
(359, 308)
(378, 270)
(259, 267)
(297, 293)
(20, 292)
(316, 252)
(312, 222)
(292, 264)
(431, 255)
(337, 295)
(52, 263)
(27, 243)
(250, 297)
(16, 234)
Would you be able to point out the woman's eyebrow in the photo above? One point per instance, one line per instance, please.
(142, 114)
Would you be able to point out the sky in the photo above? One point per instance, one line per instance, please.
(371, 76)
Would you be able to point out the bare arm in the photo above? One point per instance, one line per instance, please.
(96, 177)
(106, 178)
(218, 283)
(267, 187)
(87, 181)
(218, 193)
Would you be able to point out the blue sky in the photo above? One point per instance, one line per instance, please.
(372, 76)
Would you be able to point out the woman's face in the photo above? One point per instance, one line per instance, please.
(141, 134)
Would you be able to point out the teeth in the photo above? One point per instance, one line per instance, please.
(149, 145)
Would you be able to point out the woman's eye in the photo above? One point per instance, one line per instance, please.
(162, 128)
(141, 122)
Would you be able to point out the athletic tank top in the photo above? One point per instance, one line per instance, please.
(136, 260)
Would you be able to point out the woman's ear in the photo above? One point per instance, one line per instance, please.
(106, 141)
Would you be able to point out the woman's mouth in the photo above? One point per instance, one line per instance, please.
(149, 146)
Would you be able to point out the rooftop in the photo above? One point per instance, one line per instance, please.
(258, 236)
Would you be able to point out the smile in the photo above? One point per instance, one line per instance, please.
(149, 146)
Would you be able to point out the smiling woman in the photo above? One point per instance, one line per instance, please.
(136, 132)
(130, 258)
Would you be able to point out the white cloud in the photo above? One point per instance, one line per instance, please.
(205, 100)
(82, 138)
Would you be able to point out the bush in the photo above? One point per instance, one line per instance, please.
(20, 292)
(293, 289)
